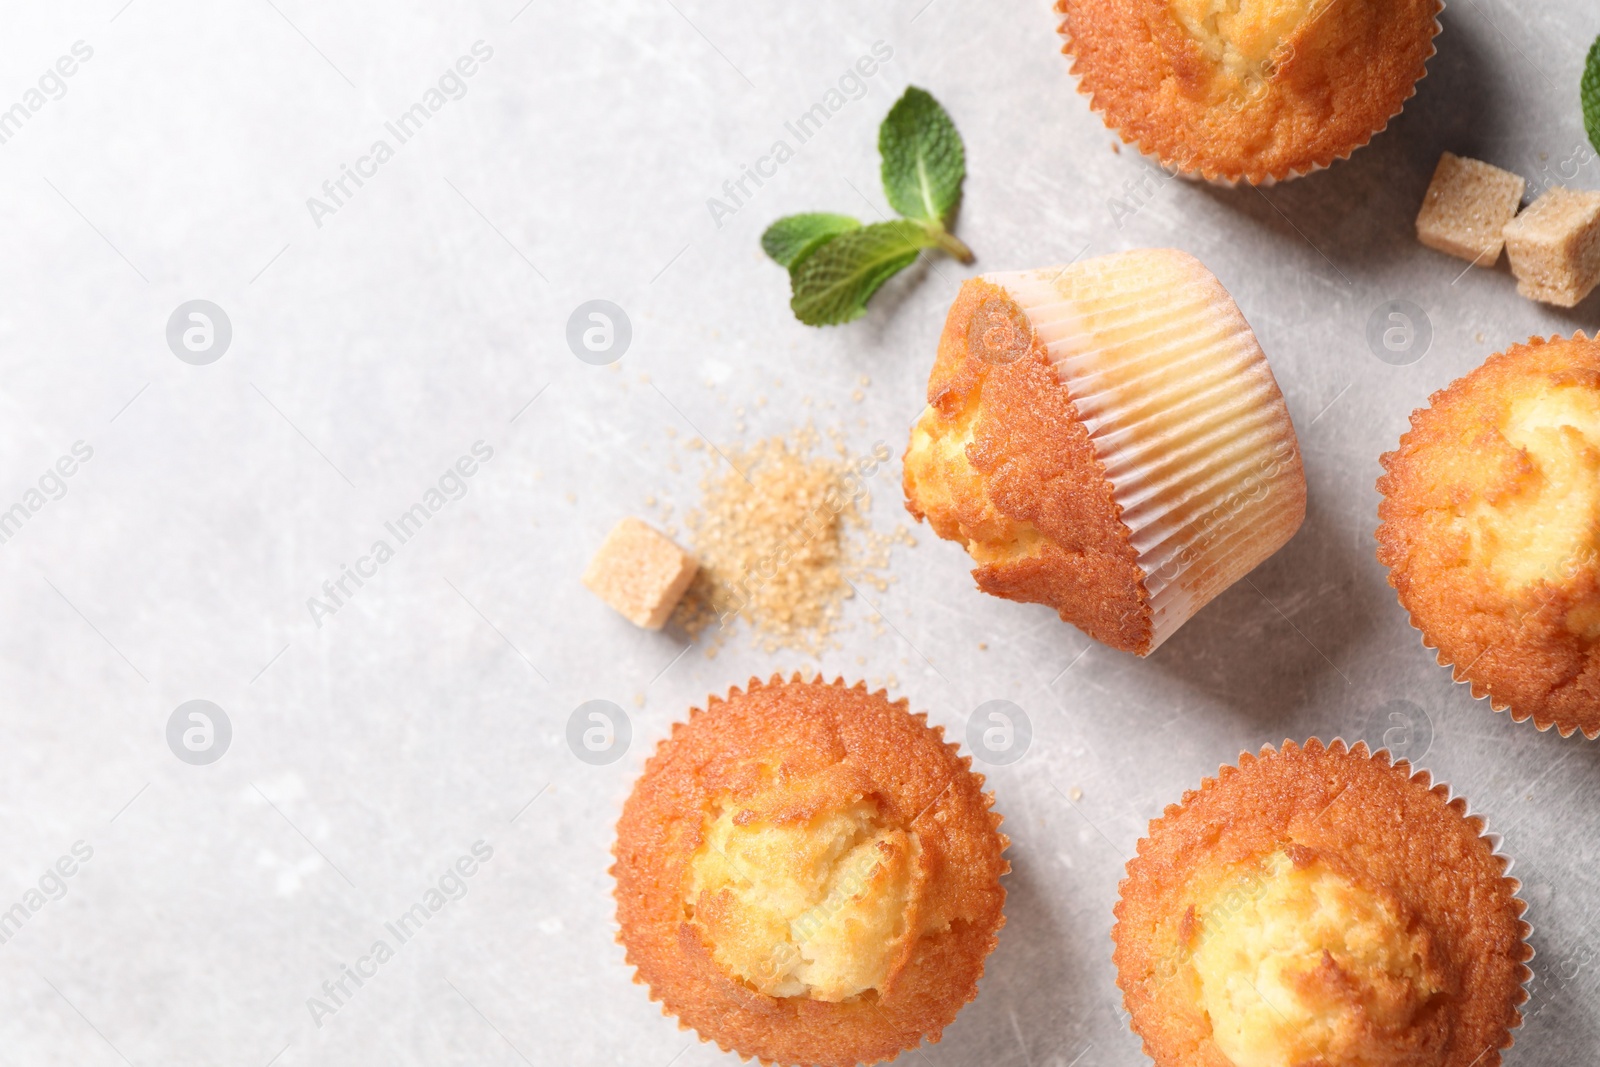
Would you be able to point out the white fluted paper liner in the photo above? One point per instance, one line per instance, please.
(1183, 413)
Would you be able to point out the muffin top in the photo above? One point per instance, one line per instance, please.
(1252, 89)
(1491, 530)
(807, 873)
(1320, 905)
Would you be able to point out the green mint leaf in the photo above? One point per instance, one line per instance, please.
(1591, 95)
(834, 283)
(923, 158)
(791, 239)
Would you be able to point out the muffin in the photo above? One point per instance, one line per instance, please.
(1320, 906)
(1491, 530)
(1106, 438)
(807, 873)
(1260, 91)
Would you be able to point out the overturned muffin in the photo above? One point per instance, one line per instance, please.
(1106, 438)
(1258, 90)
(1491, 530)
(808, 874)
(1320, 905)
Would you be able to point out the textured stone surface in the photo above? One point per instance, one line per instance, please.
(430, 707)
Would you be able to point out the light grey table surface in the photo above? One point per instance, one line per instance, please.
(374, 344)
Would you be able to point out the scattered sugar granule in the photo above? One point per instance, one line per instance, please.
(781, 535)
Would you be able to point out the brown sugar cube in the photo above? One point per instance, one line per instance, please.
(1467, 207)
(641, 573)
(1554, 247)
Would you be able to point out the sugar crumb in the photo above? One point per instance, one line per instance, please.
(781, 535)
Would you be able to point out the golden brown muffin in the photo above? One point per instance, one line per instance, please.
(1261, 90)
(1320, 905)
(808, 874)
(1491, 530)
(1106, 438)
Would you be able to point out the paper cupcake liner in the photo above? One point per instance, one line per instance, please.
(1210, 174)
(1419, 778)
(1183, 413)
(1479, 691)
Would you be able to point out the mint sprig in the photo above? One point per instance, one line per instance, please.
(835, 263)
(833, 284)
(1591, 95)
(923, 159)
(791, 239)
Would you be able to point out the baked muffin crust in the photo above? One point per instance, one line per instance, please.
(1002, 463)
(1320, 905)
(1491, 530)
(1106, 438)
(1260, 89)
(807, 873)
